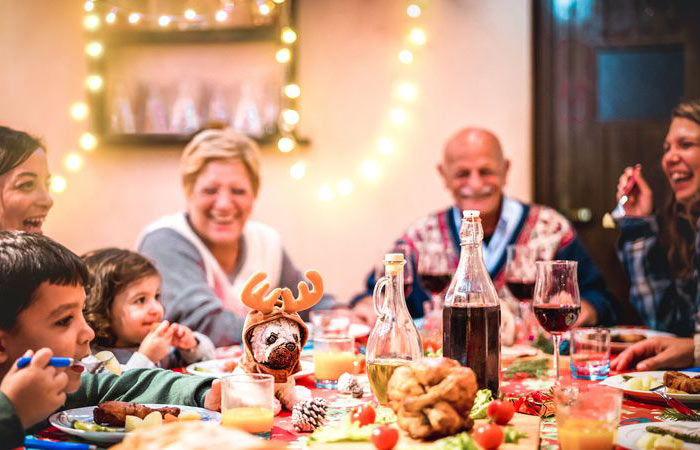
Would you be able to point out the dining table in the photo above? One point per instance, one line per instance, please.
(541, 432)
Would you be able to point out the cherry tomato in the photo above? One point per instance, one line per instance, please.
(364, 414)
(488, 435)
(384, 437)
(501, 411)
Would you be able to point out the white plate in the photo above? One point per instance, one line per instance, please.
(215, 368)
(618, 383)
(517, 351)
(628, 435)
(63, 420)
(620, 346)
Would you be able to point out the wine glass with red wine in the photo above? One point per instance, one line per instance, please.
(435, 276)
(520, 279)
(556, 300)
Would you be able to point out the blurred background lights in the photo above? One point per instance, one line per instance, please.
(285, 144)
(325, 193)
(290, 116)
(91, 22)
(89, 5)
(58, 184)
(298, 170)
(164, 21)
(345, 187)
(74, 162)
(221, 15)
(370, 170)
(79, 111)
(292, 90)
(406, 91)
(288, 35)
(111, 17)
(134, 18)
(413, 11)
(94, 49)
(385, 146)
(398, 116)
(264, 9)
(190, 14)
(405, 56)
(88, 141)
(93, 83)
(283, 55)
(417, 36)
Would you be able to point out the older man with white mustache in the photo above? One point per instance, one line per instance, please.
(475, 171)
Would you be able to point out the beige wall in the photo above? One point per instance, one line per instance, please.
(474, 70)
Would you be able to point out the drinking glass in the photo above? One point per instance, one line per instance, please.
(590, 353)
(556, 300)
(520, 279)
(333, 356)
(435, 275)
(331, 322)
(587, 415)
(247, 402)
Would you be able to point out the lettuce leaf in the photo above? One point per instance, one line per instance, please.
(481, 403)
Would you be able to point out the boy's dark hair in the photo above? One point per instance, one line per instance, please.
(111, 270)
(16, 147)
(26, 261)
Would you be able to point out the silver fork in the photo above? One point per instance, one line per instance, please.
(672, 402)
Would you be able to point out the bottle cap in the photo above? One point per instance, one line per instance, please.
(470, 213)
(394, 257)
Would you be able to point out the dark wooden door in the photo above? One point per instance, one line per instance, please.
(606, 75)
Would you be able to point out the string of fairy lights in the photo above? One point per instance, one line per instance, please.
(370, 169)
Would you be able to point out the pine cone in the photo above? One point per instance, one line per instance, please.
(347, 384)
(308, 415)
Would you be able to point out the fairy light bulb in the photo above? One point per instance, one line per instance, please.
(88, 141)
(290, 116)
(91, 22)
(405, 56)
(398, 116)
(292, 90)
(279, 2)
(74, 162)
(413, 11)
(325, 193)
(286, 144)
(406, 91)
(385, 146)
(94, 83)
(345, 187)
(370, 170)
(417, 36)
(288, 36)
(221, 15)
(89, 5)
(264, 9)
(94, 49)
(58, 184)
(111, 17)
(283, 55)
(164, 21)
(79, 111)
(134, 18)
(298, 170)
(190, 14)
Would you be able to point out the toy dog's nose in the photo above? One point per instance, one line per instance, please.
(291, 346)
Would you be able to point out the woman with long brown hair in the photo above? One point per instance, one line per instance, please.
(660, 251)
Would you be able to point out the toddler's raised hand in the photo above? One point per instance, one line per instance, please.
(37, 390)
(156, 345)
(183, 337)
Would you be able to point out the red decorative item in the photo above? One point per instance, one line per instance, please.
(535, 403)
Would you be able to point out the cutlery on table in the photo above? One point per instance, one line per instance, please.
(91, 364)
(672, 402)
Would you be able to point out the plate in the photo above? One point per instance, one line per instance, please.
(517, 351)
(628, 435)
(620, 346)
(618, 383)
(356, 330)
(215, 368)
(63, 421)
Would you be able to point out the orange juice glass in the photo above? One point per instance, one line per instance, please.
(247, 403)
(333, 356)
(587, 416)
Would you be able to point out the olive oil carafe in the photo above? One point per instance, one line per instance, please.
(394, 340)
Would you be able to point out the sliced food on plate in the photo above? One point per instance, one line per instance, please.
(660, 436)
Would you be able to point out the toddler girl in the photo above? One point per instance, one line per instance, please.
(123, 308)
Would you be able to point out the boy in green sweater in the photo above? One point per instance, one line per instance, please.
(42, 293)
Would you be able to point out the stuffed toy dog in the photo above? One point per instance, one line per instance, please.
(274, 334)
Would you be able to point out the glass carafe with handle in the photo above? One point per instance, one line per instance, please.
(394, 340)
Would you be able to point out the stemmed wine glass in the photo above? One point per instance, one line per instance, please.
(435, 275)
(556, 300)
(520, 279)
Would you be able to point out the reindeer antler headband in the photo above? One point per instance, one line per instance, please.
(255, 298)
